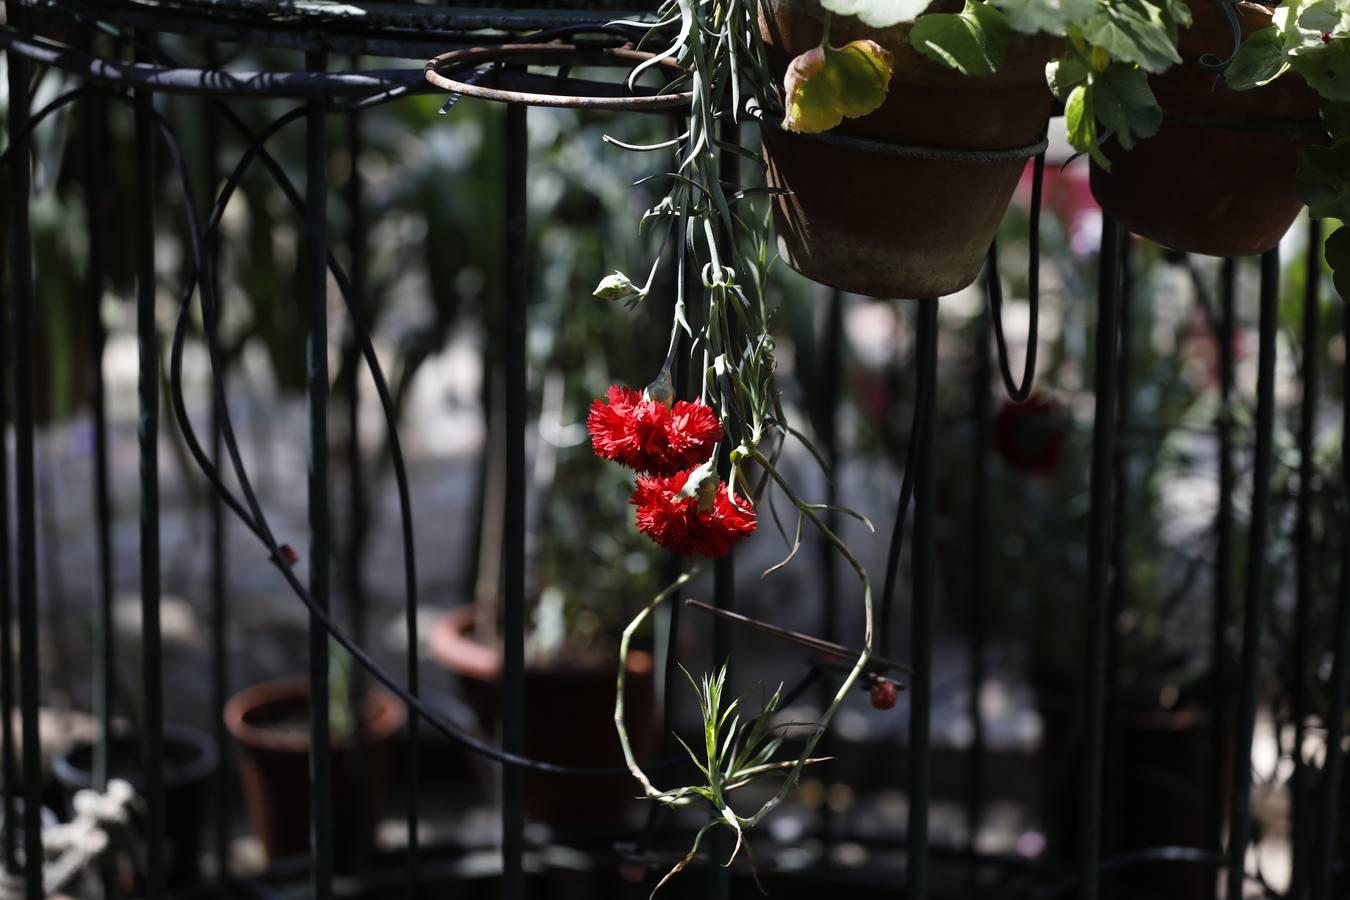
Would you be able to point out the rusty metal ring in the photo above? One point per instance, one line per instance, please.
(554, 54)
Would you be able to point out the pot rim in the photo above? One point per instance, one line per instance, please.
(198, 768)
(386, 718)
(453, 647)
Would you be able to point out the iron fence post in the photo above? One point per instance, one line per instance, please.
(147, 339)
(1254, 594)
(21, 299)
(1303, 554)
(315, 292)
(921, 623)
(1099, 548)
(515, 282)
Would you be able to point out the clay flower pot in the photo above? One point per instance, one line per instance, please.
(1218, 177)
(893, 226)
(190, 756)
(569, 720)
(1158, 782)
(270, 723)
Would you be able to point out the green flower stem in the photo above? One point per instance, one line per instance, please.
(624, 644)
(809, 510)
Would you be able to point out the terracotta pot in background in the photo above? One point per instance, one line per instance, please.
(1158, 779)
(270, 723)
(569, 720)
(190, 756)
(890, 226)
(1221, 191)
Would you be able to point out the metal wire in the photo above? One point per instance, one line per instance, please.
(551, 54)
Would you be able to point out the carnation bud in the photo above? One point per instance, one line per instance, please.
(703, 483)
(662, 390)
(883, 693)
(618, 288)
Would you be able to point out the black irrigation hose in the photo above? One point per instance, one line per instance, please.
(1130, 858)
(922, 419)
(254, 517)
(249, 511)
(1018, 393)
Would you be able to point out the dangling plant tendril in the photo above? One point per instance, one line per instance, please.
(1212, 60)
(719, 49)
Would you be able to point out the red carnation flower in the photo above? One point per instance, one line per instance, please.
(647, 436)
(1031, 436)
(702, 520)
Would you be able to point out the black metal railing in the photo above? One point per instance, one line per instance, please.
(417, 33)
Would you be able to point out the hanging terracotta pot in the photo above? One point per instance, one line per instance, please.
(1218, 177)
(901, 226)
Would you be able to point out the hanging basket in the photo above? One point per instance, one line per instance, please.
(902, 203)
(1218, 177)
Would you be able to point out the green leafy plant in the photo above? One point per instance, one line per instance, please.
(1311, 39)
(1111, 46)
(734, 754)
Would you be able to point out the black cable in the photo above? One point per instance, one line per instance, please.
(1018, 393)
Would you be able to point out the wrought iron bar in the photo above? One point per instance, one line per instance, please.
(315, 292)
(921, 623)
(981, 418)
(1099, 538)
(147, 342)
(1117, 591)
(1254, 596)
(21, 302)
(221, 795)
(9, 765)
(96, 136)
(1303, 557)
(1220, 707)
(1333, 771)
(515, 283)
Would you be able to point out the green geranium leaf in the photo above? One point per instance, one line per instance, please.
(1124, 103)
(1338, 257)
(878, 13)
(1336, 116)
(1081, 124)
(1047, 16)
(973, 41)
(1137, 31)
(1320, 17)
(1117, 98)
(824, 85)
(1326, 67)
(1259, 61)
(1063, 75)
(1323, 180)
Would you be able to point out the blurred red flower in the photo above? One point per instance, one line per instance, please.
(648, 436)
(706, 521)
(1031, 436)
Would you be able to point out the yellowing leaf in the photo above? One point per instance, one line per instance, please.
(826, 85)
